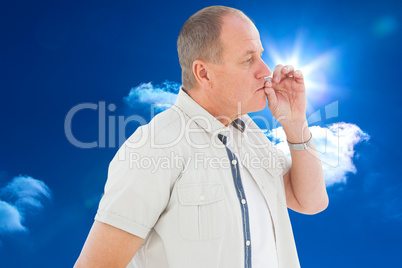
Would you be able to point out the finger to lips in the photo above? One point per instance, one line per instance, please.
(269, 90)
(268, 82)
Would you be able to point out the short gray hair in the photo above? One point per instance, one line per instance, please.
(199, 39)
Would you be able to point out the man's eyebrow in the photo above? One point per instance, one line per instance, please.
(252, 51)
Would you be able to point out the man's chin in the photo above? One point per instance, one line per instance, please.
(259, 107)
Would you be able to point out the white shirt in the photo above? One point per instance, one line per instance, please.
(262, 233)
(171, 183)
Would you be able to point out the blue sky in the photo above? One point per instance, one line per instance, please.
(56, 55)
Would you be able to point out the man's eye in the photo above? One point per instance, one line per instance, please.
(249, 60)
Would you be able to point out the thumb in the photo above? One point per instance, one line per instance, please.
(271, 96)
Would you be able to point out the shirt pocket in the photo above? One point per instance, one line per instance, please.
(202, 213)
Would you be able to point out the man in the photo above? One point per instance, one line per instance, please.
(214, 203)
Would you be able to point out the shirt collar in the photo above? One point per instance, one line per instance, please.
(239, 124)
(202, 117)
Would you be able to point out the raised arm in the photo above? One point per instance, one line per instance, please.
(304, 182)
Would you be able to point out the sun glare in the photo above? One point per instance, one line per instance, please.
(314, 68)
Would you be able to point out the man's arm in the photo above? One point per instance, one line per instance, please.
(108, 246)
(304, 182)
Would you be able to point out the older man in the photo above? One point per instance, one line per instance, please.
(221, 197)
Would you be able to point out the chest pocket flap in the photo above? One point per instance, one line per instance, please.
(200, 194)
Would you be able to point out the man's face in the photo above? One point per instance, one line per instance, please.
(240, 78)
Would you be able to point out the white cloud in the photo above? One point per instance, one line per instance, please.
(10, 218)
(21, 196)
(162, 96)
(335, 145)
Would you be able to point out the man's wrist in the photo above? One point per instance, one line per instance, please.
(301, 146)
(297, 131)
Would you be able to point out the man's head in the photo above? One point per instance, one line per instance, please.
(200, 39)
(220, 52)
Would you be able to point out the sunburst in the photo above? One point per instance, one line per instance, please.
(314, 68)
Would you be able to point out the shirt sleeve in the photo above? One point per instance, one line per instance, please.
(138, 186)
(286, 162)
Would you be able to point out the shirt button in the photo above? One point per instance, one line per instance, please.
(202, 197)
(243, 201)
(248, 242)
(234, 162)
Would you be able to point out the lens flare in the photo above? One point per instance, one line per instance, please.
(315, 68)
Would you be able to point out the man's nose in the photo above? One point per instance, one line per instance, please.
(264, 70)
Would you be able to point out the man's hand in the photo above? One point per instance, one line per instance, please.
(286, 95)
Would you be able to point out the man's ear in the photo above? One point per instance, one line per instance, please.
(201, 73)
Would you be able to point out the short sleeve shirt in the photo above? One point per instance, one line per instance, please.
(172, 184)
